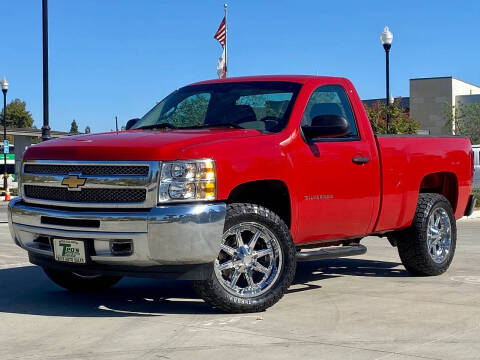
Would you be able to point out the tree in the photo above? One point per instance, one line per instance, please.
(74, 127)
(464, 120)
(191, 111)
(87, 130)
(17, 115)
(400, 121)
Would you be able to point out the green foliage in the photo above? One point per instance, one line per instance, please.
(465, 119)
(477, 195)
(191, 111)
(73, 127)
(87, 130)
(17, 115)
(400, 121)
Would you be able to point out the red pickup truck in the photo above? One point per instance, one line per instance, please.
(230, 182)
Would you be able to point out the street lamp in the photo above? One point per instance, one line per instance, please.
(387, 38)
(4, 84)
(46, 126)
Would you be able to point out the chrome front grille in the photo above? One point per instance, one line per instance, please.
(101, 170)
(102, 184)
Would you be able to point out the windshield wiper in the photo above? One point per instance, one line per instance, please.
(163, 125)
(203, 126)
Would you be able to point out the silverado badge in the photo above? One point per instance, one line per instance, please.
(73, 182)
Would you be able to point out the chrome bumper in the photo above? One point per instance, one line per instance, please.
(164, 235)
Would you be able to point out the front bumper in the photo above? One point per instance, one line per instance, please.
(164, 237)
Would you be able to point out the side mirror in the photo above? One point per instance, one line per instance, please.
(326, 126)
(130, 123)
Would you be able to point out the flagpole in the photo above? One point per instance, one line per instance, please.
(226, 39)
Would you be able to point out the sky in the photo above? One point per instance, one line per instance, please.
(118, 58)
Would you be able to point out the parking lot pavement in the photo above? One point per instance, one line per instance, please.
(366, 307)
(3, 211)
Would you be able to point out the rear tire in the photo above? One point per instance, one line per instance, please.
(81, 283)
(254, 269)
(427, 247)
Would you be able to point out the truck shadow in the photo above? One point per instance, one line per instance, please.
(26, 290)
(309, 272)
(348, 266)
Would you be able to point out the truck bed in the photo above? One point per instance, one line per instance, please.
(428, 163)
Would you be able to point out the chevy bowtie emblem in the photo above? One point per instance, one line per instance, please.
(73, 181)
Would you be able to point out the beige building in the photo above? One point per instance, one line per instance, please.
(428, 99)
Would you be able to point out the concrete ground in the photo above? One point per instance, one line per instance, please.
(367, 307)
(3, 210)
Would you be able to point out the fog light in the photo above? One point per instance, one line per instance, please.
(121, 247)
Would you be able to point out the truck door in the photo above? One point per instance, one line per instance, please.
(339, 177)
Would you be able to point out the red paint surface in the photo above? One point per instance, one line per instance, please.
(330, 196)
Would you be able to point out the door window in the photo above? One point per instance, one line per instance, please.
(330, 100)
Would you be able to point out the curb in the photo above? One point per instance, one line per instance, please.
(475, 215)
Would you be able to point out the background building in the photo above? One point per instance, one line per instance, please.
(22, 138)
(403, 102)
(431, 98)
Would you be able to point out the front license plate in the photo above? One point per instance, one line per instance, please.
(72, 251)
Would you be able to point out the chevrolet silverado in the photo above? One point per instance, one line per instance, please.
(229, 183)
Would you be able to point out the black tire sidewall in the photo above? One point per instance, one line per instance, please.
(453, 231)
(413, 242)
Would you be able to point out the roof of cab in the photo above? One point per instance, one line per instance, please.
(302, 79)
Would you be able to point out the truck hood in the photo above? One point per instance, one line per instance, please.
(131, 145)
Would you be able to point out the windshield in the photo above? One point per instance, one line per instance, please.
(264, 106)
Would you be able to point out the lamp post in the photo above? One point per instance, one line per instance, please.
(387, 38)
(46, 126)
(4, 84)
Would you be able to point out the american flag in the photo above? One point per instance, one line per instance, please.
(221, 34)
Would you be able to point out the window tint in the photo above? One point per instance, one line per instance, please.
(266, 110)
(330, 100)
(274, 104)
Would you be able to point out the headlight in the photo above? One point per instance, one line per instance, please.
(188, 180)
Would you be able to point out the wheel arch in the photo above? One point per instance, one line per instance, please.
(444, 183)
(272, 194)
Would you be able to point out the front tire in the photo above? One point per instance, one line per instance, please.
(81, 283)
(427, 247)
(256, 263)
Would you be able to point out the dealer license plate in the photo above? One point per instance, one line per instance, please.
(72, 251)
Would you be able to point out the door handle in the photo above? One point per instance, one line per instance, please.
(360, 160)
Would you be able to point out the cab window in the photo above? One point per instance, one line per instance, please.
(330, 100)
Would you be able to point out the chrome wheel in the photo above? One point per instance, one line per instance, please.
(439, 235)
(250, 260)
